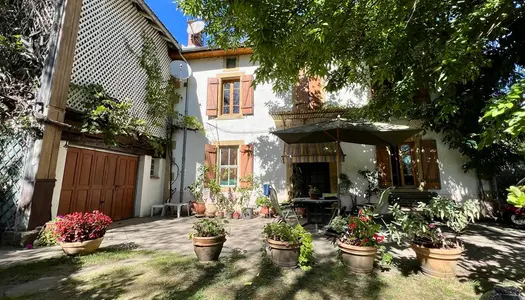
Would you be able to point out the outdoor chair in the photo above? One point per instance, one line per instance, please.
(285, 211)
(381, 209)
(167, 204)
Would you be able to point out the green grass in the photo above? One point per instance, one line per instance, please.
(164, 275)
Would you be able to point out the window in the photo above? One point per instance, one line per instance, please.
(231, 62)
(228, 166)
(154, 168)
(231, 97)
(411, 164)
(405, 166)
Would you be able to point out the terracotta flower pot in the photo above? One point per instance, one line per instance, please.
(284, 254)
(300, 211)
(264, 210)
(200, 208)
(438, 263)
(80, 248)
(211, 209)
(236, 215)
(359, 259)
(208, 248)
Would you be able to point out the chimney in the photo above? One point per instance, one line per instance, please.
(194, 40)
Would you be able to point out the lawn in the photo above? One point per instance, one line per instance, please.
(127, 274)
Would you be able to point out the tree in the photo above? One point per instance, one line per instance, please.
(465, 53)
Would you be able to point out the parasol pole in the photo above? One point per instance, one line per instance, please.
(338, 162)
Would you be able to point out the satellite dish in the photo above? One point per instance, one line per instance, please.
(180, 69)
(195, 27)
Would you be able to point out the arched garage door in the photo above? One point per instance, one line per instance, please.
(98, 180)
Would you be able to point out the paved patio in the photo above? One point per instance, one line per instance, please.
(493, 253)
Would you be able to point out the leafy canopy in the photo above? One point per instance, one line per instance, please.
(467, 54)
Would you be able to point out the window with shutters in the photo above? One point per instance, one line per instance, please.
(231, 163)
(228, 166)
(230, 100)
(230, 97)
(409, 165)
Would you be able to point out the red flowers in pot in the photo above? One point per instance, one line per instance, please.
(81, 232)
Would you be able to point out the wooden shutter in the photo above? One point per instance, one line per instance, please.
(246, 165)
(384, 166)
(429, 163)
(247, 94)
(212, 103)
(210, 160)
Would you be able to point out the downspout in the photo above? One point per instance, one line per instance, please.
(184, 140)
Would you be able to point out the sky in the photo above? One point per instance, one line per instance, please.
(173, 19)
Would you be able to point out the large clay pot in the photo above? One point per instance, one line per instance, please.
(200, 208)
(80, 248)
(211, 209)
(236, 215)
(208, 248)
(264, 210)
(284, 255)
(359, 259)
(438, 263)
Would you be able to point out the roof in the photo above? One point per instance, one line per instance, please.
(191, 53)
(156, 23)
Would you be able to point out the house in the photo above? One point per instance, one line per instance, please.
(239, 118)
(66, 170)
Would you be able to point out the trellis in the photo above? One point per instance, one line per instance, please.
(12, 163)
(108, 47)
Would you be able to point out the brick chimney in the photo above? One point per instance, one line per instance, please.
(194, 40)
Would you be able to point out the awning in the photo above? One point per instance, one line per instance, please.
(311, 153)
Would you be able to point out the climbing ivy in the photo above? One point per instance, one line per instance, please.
(162, 95)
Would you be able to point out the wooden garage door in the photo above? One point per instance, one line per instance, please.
(98, 180)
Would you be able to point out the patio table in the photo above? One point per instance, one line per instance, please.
(316, 204)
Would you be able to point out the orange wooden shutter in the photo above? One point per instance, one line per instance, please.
(210, 160)
(429, 162)
(247, 94)
(246, 166)
(384, 166)
(212, 103)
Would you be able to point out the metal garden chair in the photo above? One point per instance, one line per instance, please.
(285, 211)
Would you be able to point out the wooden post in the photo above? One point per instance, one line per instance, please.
(34, 207)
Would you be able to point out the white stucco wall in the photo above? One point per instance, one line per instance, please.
(250, 129)
(61, 163)
(149, 190)
(268, 148)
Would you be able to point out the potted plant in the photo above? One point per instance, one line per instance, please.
(436, 251)
(81, 233)
(196, 191)
(208, 238)
(290, 246)
(264, 203)
(358, 239)
(314, 193)
(236, 215)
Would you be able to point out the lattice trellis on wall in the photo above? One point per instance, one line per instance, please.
(13, 149)
(108, 47)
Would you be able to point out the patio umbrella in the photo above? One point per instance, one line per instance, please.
(341, 130)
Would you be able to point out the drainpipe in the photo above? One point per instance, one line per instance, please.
(184, 139)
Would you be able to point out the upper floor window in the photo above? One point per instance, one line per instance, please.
(231, 62)
(231, 97)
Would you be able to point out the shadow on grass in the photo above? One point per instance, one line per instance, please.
(58, 268)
